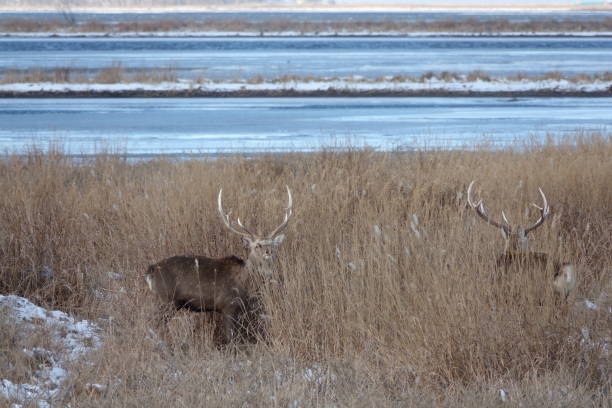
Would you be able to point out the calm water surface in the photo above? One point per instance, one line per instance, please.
(231, 58)
(196, 125)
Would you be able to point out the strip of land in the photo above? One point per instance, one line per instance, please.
(318, 87)
(293, 34)
(282, 27)
(187, 6)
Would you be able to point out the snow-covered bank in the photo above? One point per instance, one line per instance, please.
(69, 339)
(282, 34)
(348, 86)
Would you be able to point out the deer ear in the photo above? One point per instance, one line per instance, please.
(278, 240)
(246, 242)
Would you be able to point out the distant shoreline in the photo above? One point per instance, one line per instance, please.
(255, 8)
(285, 27)
(271, 35)
(290, 93)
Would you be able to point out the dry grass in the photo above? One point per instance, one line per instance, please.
(406, 319)
(37, 75)
(117, 73)
(276, 25)
(111, 75)
(15, 363)
(478, 76)
(114, 74)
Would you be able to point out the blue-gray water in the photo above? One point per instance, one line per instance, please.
(334, 57)
(175, 126)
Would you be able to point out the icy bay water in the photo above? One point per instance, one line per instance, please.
(239, 58)
(205, 125)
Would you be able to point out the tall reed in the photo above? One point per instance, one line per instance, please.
(388, 275)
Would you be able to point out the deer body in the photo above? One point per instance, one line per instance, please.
(230, 285)
(517, 253)
(187, 281)
(563, 274)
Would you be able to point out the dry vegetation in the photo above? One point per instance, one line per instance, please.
(113, 74)
(471, 25)
(117, 73)
(444, 76)
(407, 317)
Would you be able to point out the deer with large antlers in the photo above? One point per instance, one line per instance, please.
(227, 285)
(516, 251)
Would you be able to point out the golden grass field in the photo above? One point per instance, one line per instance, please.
(413, 316)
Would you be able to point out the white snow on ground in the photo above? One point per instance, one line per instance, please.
(345, 84)
(416, 34)
(586, 341)
(73, 337)
(589, 344)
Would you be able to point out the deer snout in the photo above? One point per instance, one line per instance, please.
(268, 255)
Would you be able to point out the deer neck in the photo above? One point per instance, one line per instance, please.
(257, 272)
(516, 244)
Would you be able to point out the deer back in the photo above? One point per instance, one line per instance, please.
(522, 258)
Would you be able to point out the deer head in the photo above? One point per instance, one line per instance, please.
(514, 236)
(262, 248)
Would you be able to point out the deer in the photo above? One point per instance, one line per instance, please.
(229, 285)
(516, 250)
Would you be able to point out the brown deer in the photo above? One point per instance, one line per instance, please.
(516, 251)
(227, 285)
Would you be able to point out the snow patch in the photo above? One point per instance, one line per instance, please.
(590, 344)
(320, 85)
(73, 337)
(591, 305)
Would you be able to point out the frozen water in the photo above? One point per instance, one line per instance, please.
(216, 125)
(229, 58)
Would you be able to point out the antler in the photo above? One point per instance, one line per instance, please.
(283, 225)
(244, 230)
(480, 210)
(228, 222)
(544, 212)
